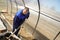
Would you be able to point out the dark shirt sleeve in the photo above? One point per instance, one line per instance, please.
(28, 15)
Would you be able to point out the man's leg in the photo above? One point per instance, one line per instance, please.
(19, 27)
(15, 26)
(17, 31)
(14, 23)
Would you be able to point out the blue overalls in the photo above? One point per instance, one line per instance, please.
(18, 20)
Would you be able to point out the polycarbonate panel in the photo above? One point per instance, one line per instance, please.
(51, 8)
(48, 24)
(15, 5)
(48, 27)
(32, 18)
(33, 4)
(3, 5)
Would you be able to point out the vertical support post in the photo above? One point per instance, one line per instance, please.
(16, 4)
(7, 6)
(11, 7)
(23, 2)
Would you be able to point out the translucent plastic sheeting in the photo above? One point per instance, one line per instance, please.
(3, 5)
(33, 4)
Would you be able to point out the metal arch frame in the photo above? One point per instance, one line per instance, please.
(11, 7)
(16, 5)
(7, 5)
(23, 3)
(7, 12)
(38, 17)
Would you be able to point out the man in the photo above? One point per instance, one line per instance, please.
(19, 18)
